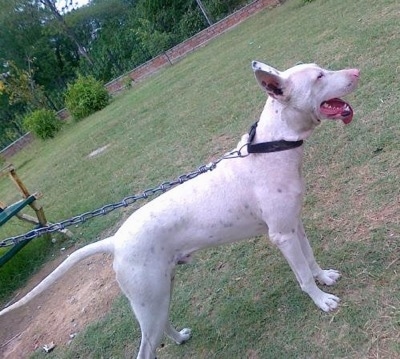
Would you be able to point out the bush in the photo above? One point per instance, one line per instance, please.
(43, 123)
(85, 96)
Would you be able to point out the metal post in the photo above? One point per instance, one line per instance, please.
(203, 10)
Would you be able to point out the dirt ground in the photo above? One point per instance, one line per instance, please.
(83, 295)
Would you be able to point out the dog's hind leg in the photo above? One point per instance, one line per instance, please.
(183, 335)
(179, 337)
(148, 292)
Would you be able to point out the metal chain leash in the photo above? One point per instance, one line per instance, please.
(163, 187)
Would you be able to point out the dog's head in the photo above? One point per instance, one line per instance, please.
(310, 89)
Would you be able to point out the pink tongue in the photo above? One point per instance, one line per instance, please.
(336, 108)
(347, 119)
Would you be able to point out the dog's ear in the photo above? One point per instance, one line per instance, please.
(270, 80)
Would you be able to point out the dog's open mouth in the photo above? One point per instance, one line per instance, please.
(336, 108)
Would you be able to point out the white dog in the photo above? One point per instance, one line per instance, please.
(241, 198)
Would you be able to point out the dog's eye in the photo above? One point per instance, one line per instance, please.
(321, 75)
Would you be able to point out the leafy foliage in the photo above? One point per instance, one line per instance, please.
(20, 86)
(43, 123)
(219, 9)
(85, 96)
(11, 120)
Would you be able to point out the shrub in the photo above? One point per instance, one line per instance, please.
(43, 123)
(85, 96)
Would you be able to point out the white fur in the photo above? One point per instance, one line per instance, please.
(241, 198)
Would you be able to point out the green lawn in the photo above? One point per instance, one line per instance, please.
(242, 301)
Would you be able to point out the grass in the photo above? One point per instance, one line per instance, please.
(242, 301)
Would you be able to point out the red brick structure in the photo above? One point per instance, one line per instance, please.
(16, 145)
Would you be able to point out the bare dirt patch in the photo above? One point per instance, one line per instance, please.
(98, 151)
(83, 295)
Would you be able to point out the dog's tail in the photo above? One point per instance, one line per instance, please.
(103, 246)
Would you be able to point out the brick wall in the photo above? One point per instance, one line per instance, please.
(168, 58)
(16, 145)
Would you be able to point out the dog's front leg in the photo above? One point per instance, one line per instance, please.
(324, 276)
(289, 245)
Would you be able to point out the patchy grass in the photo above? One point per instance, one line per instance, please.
(243, 301)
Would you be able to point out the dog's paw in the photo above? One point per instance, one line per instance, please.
(327, 302)
(186, 334)
(328, 276)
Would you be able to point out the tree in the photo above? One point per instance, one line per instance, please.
(10, 121)
(51, 6)
(28, 40)
(20, 27)
(20, 86)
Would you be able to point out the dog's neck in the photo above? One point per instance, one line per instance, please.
(282, 122)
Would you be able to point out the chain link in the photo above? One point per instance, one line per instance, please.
(127, 201)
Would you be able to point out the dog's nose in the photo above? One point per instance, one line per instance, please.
(254, 65)
(355, 72)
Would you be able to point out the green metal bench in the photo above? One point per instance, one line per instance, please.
(10, 211)
(5, 215)
(7, 212)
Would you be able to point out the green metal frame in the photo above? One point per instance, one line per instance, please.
(5, 215)
(13, 209)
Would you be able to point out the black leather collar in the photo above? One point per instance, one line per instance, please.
(273, 146)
